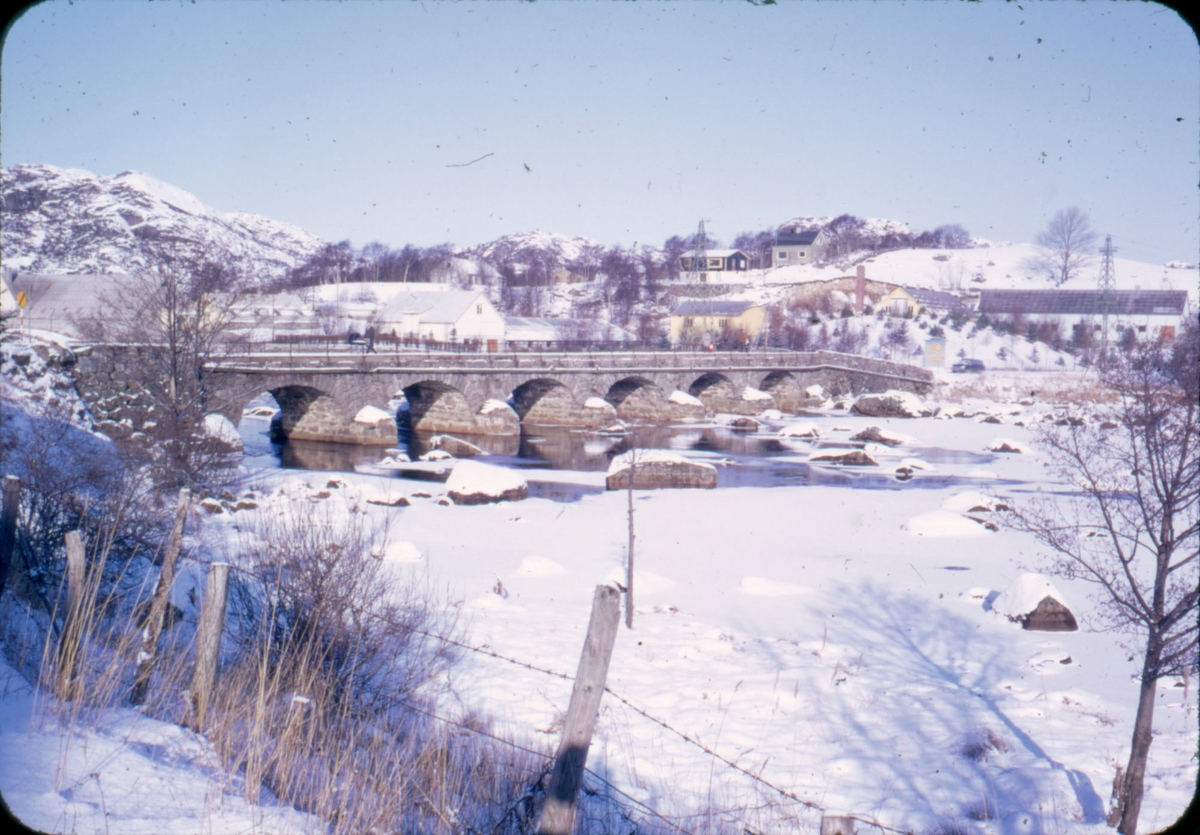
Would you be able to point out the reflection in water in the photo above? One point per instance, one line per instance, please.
(742, 459)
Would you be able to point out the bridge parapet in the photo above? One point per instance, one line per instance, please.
(637, 384)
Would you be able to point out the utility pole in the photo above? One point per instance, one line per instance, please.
(1108, 282)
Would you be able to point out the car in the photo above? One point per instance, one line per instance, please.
(968, 366)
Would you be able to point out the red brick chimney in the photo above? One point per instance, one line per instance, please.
(860, 289)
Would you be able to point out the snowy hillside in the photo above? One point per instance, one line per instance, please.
(71, 221)
(526, 247)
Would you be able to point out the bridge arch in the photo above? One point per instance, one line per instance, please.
(307, 413)
(436, 406)
(638, 398)
(545, 400)
(785, 388)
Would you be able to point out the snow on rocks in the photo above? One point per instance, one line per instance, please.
(473, 482)
(844, 457)
(221, 429)
(657, 468)
(1008, 445)
(753, 395)
(972, 501)
(599, 404)
(939, 523)
(396, 552)
(371, 415)
(892, 403)
(682, 398)
(437, 455)
(1034, 602)
(800, 430)
(882, 436)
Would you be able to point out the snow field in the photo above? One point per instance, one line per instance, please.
(806, 634)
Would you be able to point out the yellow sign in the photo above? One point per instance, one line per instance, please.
(21, 299)
(935, 353)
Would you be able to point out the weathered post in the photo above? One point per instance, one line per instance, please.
(8, 525)
(629, 562)
(558, 815)
(208, 640)
(158, 604)
(837, 825)
(66, 682)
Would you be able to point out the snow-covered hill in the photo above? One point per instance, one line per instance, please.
(525, 248)
(72, 221)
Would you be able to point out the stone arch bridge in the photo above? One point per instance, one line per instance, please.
(319, 395)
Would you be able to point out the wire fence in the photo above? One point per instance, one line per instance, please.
(757, 778)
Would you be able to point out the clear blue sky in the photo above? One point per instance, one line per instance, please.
(636, 119)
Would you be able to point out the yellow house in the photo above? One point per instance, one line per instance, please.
(716, 321)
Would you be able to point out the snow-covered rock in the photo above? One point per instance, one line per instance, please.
(1034, 602)
(657, 468)
(221, 429)
(682, 398)
(473, 482)
(844, 457)
(371, 415)
(891, 403)
(1008, 445)
(753, 395)
(874, 434)
(800, 430)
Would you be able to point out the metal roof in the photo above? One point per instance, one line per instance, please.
(938, 299)
(712, 307)
(1084, 302)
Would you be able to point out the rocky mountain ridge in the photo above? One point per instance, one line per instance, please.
(59, 220)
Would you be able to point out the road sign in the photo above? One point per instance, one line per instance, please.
(21, 299)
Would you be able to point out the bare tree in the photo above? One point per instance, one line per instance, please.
(182, 312)
(1066, 245)
(1132, 531)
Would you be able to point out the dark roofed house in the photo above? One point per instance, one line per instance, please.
(793, 246)
(714, 261)
(1149, 312)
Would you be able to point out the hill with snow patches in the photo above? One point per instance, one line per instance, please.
(60, 220)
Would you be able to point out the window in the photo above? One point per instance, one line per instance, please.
(724, 324)
(714, 263)
(782, 255)
(479, 309)
(801, 253)
(1141, 328)
(687, 321)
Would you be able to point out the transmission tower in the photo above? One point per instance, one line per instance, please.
(1108, 283)
(700, 252)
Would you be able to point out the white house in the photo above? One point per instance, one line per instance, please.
(450, 316)
(797, 246)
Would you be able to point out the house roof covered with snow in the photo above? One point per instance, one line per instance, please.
(1084, 302)
(445, 307)
(712, 307)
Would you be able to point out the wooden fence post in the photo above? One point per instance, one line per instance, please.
(208, 640)
(837, 825)
(158, 604)
(558, 815)
(67, 681)
(8, 525)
